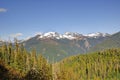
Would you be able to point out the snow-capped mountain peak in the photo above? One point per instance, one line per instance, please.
(67, 35)
(51, 34)
(97, 34)
(71, 35)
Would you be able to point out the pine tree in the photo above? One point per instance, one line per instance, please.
(34, 58)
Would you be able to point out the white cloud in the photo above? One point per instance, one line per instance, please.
(3, 10)
(16, 35)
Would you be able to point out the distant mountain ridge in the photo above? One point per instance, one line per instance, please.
(69, 35)
(57, 46)
(112, 41)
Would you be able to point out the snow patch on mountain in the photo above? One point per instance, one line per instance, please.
(51, 34)
(67, 35)
(97, 34)
(71, 35)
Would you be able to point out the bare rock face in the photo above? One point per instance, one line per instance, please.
(87, 44)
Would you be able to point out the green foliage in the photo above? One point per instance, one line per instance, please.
(8, 73)
(103, 65)
(35, 74)
(18, 64)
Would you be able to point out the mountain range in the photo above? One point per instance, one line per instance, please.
(112, 41)
(68, 35)
(55, 46)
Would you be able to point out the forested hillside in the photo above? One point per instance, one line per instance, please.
(16, 63)
(103, 65)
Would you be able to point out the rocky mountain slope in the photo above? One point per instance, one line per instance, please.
(112, 41)
(55, 46)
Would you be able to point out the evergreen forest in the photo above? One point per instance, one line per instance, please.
(16, 63)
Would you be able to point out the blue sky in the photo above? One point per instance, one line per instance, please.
(26, 17)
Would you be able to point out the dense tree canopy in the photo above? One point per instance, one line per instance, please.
(103, 65)
(16, 63)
